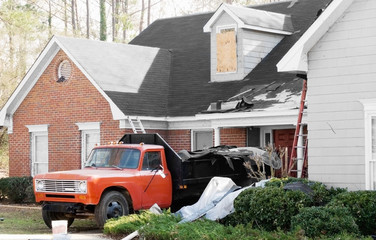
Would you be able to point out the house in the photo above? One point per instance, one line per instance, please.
(200, 80)
(338, 54)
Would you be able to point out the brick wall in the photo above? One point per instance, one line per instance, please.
(179, 139)
(234, 136)
(60, 105)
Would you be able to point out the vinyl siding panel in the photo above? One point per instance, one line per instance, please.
(342, 71)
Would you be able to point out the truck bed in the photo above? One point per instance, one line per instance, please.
(189, 168)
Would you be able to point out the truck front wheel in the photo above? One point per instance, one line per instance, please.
(49, 216)
(113, 204)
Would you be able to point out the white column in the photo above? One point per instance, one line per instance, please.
(217, 136)
(300, 153)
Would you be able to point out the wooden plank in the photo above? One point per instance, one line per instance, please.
(336, 177)
(343, 80)
(333, 133)
(342, 53)
(344, 43)
(340, 142)
(335, 154)
(335, 107)
(350, 25)
(338, 98)
(340, 125)
(343, 71)
(333, 169)
(226, 52)
(262, 36)
(359, 33)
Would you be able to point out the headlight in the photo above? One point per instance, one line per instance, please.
(82, 187)
(39, 185)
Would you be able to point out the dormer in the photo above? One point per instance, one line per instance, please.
(240, 38)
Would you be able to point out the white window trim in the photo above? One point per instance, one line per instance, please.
(219, 28)
(369, 112)
(193, 131)
(87, 128)
(36, 130)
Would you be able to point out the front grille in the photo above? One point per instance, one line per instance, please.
(61, 186)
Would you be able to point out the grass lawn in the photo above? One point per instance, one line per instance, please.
(25, 220)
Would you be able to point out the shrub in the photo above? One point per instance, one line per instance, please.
(362, 205)
(17, 189)
(321, 194)
(268, 208)
(317, 221)
(127, 224)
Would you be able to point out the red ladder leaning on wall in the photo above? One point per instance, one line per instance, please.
(293, 158)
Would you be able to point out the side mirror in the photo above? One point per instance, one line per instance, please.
(161, 171)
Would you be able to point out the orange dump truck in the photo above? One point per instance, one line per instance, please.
(134, 174)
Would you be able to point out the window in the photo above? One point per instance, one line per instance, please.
(129, 158)
(64, 71)
(202, 140)
(226, 50)
(151, 161)
(39, 148)
(370, 142)
(90, 136)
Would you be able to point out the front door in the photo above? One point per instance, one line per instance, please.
(156, 188)
(284, 138)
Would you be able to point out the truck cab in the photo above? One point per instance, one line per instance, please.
(116, 180)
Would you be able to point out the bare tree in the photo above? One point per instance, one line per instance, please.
(149, 7)
(124, 21)
(87, 19)
(142, 15)
(65, 18)
(73, 17)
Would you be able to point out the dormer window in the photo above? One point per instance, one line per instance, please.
(226, 49)
(241, 38)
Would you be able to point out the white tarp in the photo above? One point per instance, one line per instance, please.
(217, 189)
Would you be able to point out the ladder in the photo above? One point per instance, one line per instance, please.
(136, 124)
(299, 135)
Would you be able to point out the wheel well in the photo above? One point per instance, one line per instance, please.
(123, 191)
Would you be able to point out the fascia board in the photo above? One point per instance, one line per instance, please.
(295, 60)
(116, 112)
(217, 14)
(27, 83)
(264, 29)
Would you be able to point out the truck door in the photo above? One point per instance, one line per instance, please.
(156, 186)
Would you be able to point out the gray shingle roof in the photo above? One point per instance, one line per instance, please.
(168, 74)
(190, 89)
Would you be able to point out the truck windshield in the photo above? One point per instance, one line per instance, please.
(114, 157)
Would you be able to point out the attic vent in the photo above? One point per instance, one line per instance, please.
(64, 71)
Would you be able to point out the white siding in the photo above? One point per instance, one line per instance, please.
(255, 46)
(342, 70)
(252, 47)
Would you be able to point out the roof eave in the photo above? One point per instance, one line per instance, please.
(295, 60)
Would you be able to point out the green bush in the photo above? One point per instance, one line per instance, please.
(318, 221)
(321, 194)
(362, 205)
(17, 189)
(268, 208)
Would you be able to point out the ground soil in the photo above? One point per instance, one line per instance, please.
(27, 219)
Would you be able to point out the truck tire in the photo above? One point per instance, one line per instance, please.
(48, 217)
(113, 204)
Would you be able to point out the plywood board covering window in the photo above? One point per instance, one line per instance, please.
(226, 51)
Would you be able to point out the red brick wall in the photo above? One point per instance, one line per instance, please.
(179, 139)
(234, 136)
(60, 105)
